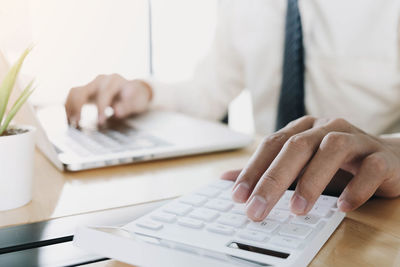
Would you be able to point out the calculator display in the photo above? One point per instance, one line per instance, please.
(263, 251)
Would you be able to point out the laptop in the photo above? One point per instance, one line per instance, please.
(150, 136)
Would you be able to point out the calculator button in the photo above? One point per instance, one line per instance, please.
(239, 209)
(278, 215)
(220, 229)
(222, 184)
(308, 219)
(295, 230)
(204, 214)
(188, 222)
(283, 203)
(209, 191)
(149, 224)
(195, 200)
(178, 209)
(285, 242)
(288, 194)
(234, 220)
(320, 210)
(327, 201)
(219, 204)
(266, 226)
(227, 195)
(163, 217)
(252, 235)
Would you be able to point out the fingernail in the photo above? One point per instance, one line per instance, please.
(241, 192)
(73, 121)
(256, 207)
(344, 206)
(298, 204)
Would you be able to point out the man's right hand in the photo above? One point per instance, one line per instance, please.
(126, 97)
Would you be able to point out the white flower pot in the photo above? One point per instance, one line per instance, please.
(16, 168)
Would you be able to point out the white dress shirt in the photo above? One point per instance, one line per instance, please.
(352, 63)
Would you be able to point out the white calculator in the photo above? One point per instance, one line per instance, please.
(206, 228)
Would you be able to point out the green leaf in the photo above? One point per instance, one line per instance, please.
(8, 83)
(17, 105)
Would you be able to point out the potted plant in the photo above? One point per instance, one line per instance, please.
(16, 144)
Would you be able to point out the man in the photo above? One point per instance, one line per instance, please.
(328, 59)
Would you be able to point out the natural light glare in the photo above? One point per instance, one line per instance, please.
(77, 40)
(182, 32)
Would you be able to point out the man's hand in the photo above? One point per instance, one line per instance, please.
(313, 151)
(124, 96)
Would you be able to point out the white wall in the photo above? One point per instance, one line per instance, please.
(183, 31)
(75, 40)
(15, 28)
(79, 39)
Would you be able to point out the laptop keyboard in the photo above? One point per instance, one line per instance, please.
(209, 219)
(87, 142)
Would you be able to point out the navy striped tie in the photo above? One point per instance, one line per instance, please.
(291, 100)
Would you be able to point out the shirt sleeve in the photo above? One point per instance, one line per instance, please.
(217, 80)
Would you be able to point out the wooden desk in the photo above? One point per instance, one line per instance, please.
(369, 236)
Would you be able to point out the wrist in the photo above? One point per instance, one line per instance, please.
(148, 89)
(392, 142)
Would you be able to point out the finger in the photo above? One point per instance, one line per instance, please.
(287, 166)
(108, 89)
(264, 155)
(283, 170)
(77, 97)
(230, 175)
(125, 103)
(373, 171)
(134, 98)
(335, 150)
